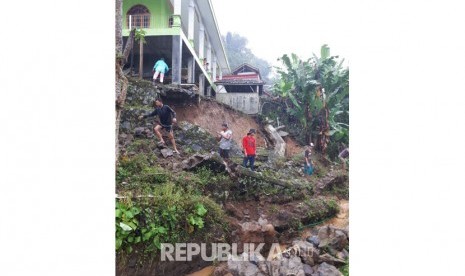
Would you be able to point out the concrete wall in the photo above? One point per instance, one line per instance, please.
(245, 102)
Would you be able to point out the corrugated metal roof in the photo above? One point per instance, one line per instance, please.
(239, 81)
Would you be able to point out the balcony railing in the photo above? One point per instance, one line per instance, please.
(138, 21)
(146, 21)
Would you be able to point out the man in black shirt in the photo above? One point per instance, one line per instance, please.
(167, 118)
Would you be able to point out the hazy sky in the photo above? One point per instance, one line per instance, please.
(274, 28)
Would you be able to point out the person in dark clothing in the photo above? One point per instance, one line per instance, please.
(167, 118)
(249, 149)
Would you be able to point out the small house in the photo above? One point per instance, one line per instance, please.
(242, 89)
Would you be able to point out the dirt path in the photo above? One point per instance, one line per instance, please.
(342, 218)
(206, 271)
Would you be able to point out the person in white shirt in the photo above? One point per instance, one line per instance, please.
(225, 136)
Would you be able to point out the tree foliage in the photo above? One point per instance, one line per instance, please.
(316, 93)
(238, 53)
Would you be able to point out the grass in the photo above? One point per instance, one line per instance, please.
(321, 209)
(170, 215)
(345, 269)
(170, 207)
(274, 208)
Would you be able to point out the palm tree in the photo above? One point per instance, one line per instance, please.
(140, 36)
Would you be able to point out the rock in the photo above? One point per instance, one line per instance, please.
(221, 270)
(292, 266)
(285, 220)
(331, 260)
(325, 269)
(307, 252)
(339, 241)
(161, 145)
(185, 126)
(253, 232)
(344, 254)
(331, 181)
(262, 221)
(126, 125)
(279, 144)
(346, 231)
(324, 235)
(283, 133)
(176, 166)
(178, 94)
(308, 270)
(213, 161)
(139, 131)
(242, 266)
(166, 152)
(196, 147)
(332, 237)
(314, 240)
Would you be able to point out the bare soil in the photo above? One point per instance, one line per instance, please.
(209, 115)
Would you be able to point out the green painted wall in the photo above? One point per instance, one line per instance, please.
(160, 11)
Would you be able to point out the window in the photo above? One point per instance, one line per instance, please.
(140, 17)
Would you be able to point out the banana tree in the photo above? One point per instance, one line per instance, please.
(297, 86)
(315, 92)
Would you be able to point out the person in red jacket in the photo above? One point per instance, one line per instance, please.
(249, 149)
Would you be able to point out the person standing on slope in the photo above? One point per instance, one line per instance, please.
(249, 149)
(225, 137)
(308, 166)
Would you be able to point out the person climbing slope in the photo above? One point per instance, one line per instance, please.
(167, 118)
(161, 68)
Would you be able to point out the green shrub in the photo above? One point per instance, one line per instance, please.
(130, 166)
(152, 175)
(321, 208)
(345, 269)
(169, 215)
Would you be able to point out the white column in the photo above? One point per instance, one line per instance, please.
(201, 41)
(177, 7)
(209, 56)
(221, 74)
(201, 84)
(177, 13)
(190, 29)
(214, 68)
(190, 70)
